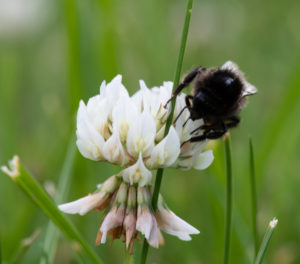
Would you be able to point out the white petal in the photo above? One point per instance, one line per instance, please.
(174, 225)
(166, 152)
(203, 160)
(113, 89)
(113, 149)
(141, 135)
(83, 205)
(124, 113)
(89, 140)
(98, 112)
(112, 92)
(137, 173)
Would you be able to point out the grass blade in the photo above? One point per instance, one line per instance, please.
(228, 215)
(266, 241)
(74, 70)
(253, 197)
(52, 234)
(159, 173)
(29, 185)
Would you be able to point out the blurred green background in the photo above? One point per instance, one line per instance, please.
(52, 53)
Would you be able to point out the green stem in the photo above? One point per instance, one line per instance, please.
(228, 216)
(128, 257)
(0, 251)
(266, 241)
(253, 197)
(159, 173)
(52, 234)
(31, 187)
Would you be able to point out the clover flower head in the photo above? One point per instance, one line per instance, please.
(126, 130)
(129, 132)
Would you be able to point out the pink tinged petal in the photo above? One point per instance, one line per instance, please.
(155, 238)
(137, 173)
(98, 200)
(113, 149)
(85, 204)
(166, 152)
(89, 140)
(203, 160)
(113, 219)
(130, 226)
(116, 215)
(141, 135)
(144, 216)
(144, 221)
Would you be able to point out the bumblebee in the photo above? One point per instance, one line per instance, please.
(218, 96)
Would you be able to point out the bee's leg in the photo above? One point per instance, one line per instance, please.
(205, 128)
(187, 105)
(209, 134)
(186, 81)
(232, 121)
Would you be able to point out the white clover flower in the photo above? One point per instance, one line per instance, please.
(127, 130)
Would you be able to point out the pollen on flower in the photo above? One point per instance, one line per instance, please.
(141, 144)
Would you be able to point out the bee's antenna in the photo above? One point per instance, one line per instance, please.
(180, 113)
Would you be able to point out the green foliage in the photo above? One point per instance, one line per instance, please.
(74, 45)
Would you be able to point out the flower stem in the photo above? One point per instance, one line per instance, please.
(266, 241)
(159, 173)
(0, 251)
(228, 217)
(52, 234)
(31, 187)
(253, 197)
(128, 257)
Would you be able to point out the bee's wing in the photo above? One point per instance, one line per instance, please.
(231, 66)
(249, 89)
